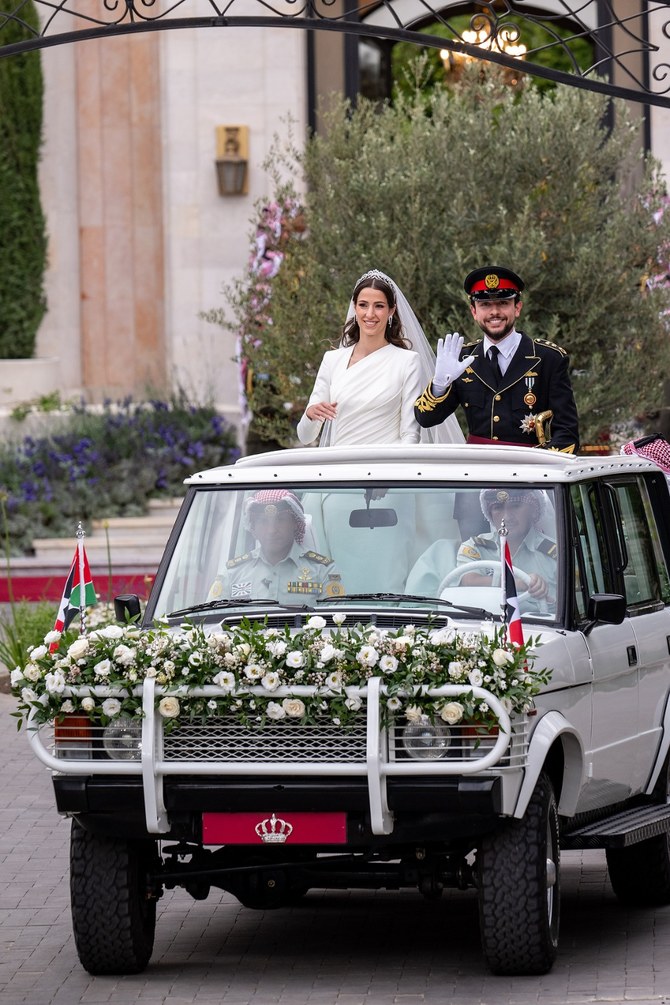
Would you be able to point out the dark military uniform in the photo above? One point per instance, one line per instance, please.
(537, 380)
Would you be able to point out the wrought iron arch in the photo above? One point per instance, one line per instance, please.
(632, 49)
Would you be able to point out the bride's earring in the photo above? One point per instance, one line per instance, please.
(390, 320)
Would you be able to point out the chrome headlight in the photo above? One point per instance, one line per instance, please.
(122, 740)
(426, 741)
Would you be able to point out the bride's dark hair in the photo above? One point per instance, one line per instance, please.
(376, 281)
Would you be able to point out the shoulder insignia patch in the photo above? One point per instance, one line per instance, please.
(469, 552)
(238, 559)
(551, 345)
(485, 543)
(548, 547)
(314, 556)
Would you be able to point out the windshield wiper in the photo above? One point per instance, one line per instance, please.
(211, 605)
(479, 612)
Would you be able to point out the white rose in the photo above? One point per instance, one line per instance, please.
(244, 648)
(38, 652)
(476, 678)
(455, 668)
(31, 672)
(88, 704)
(367, 656)
(452, 712)
(124, 655)
(78, 649)
(52, 637)
(112, 632)
(327, 653)
(339, 619)
(28, 695)
(415, 715)
(275, 710)
(388, 663)
(271, 681)
(253, 671)
(316, 622)
(353, 703)
(15, 676)
(55, 682)
(67, 706)
(168, 707)
(277, 648)
(501, 657)
(111, 707)
(102, 668)
(294, 707)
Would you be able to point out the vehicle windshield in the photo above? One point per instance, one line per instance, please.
(308, 546)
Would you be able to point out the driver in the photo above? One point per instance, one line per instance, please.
(531, 551)
(278, 568)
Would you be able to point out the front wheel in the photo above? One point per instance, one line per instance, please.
(518, 872)
(640, 874)
(113, 906)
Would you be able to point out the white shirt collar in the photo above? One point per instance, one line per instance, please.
(508, 346)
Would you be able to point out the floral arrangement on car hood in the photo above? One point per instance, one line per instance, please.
(258, 673)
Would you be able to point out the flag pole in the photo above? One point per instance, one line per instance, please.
(502, 537)
(82, 577)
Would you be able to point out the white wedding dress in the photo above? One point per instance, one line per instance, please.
(375, 399)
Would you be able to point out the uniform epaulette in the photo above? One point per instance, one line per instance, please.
(548, 547)
(551, 345)
(470, 345)
(486, 543)
(231, 563)
(314, 556)
(427, 401)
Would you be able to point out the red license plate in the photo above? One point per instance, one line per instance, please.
(273, 829)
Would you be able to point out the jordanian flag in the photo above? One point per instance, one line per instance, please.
(510, 599)
(78, 593)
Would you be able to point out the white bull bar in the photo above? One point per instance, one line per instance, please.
(376, 768)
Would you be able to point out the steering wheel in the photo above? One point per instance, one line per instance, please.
(479, 566)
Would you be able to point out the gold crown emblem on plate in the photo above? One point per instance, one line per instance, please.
(274, 830)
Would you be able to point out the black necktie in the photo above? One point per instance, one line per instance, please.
(493, 354)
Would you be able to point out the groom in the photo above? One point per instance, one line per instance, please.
(504, 380)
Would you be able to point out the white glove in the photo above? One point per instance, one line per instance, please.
(449, 365)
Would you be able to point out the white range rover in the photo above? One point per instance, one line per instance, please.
(344, 710)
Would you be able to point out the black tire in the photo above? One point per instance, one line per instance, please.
(113, 917)
(518, 870)
(640, 875)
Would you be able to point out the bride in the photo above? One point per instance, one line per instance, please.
(364, 394)
(365, 390)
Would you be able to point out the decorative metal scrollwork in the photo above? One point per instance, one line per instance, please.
(631, 50)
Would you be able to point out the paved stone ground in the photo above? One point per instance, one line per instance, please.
(335, 949)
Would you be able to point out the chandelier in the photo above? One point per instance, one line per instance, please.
(500, 39)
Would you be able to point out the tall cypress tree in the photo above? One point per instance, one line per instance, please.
(23, 243)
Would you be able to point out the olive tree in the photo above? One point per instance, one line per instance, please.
(551, 185)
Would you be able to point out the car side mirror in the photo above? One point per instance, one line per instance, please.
(605, 609)
(127, 608)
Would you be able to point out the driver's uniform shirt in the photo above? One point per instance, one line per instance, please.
(302, 576)
(536, 554)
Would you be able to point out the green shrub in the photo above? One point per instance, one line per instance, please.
(434, 186)
(108, 461)
(23, 248)
(24, 626)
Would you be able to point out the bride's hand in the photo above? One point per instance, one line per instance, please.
(321, 411)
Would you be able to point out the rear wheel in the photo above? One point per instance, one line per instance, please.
(113, 907)
(640, 875)
(518, 870)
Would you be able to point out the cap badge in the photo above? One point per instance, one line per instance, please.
(502, 497)
(270, 510)
(492, 281)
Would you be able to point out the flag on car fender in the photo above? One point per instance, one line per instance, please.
(78, 593)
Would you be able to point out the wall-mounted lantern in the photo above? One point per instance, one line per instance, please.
(232, 159)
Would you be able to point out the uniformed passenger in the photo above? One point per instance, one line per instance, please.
(531, 551)
(505, 381)
(279, 567)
